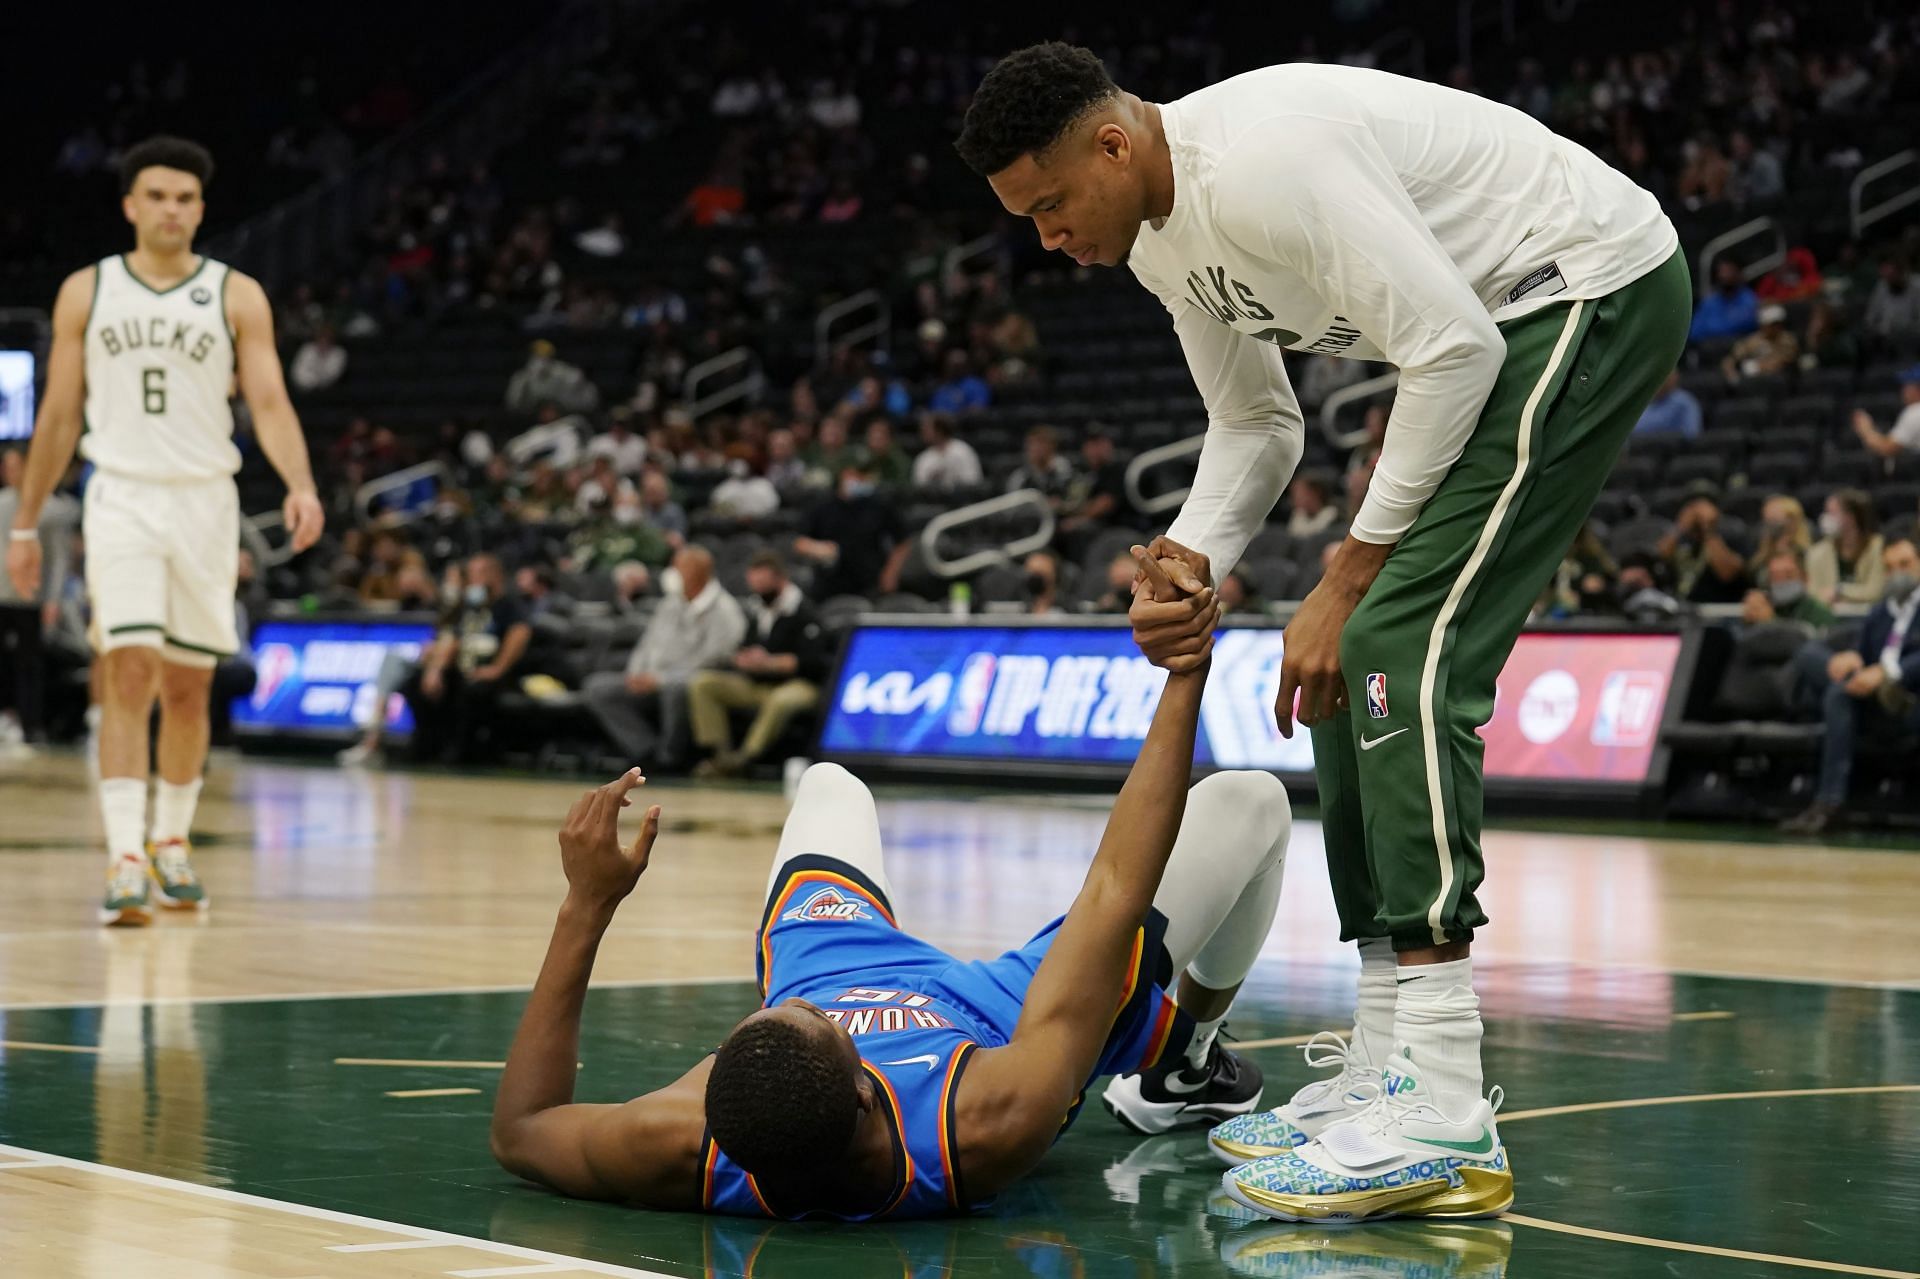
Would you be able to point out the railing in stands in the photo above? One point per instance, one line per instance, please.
(1358, 393)
(400, 481)
(267, 552)
(979, 249)
(1862, 216)
(747, 386)
(1147, 461)
(987, 557)
(300, 235)
(1753, 270)
(877, 324)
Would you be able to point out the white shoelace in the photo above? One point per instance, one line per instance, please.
(1383, 1109)
(174, 866)
(1328, 1050)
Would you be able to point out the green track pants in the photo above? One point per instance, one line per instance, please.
(1400, 772)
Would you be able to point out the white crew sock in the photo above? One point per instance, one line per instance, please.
(1373, 1014)
(1437, 1016)
(1201, 1044)
(123, 809)
(173, 810)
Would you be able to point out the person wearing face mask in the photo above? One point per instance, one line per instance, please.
(1845, 564)
(1043, 584)
(471, 663)
(776, 674)
(853, 539)
(1871, 689)
(618, 534)
(1783, 529)
(1782, 596)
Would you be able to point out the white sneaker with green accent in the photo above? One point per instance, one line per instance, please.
(179, 888)
(1400, 1157)
(127, 904)
(1308, 1113)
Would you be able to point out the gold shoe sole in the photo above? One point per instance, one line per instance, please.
(1482, 1192)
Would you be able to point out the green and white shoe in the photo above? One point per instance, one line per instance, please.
(1400, 1157)
(177, 886)
(127, 904)
(1308, 1113)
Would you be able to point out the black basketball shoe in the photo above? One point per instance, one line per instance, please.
(1174, 1095)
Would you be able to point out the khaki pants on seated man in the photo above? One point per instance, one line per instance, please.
(711, 694)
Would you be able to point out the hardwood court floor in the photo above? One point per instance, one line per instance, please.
(1711, 1049)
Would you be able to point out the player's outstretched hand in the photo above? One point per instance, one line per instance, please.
(600, 873)
(1173, 627)
(23, 567)
(305, 519)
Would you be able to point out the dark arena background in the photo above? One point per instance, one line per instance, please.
(600, 317)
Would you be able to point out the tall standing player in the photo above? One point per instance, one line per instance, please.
(1533, 299)
(147, 347)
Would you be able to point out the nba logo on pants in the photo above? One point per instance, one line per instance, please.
(1377, 695)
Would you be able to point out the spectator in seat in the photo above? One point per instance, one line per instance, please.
(631, 582)
(547, 379)
(1313, 509)
(946, 462)
(1704, 550)
(1845, 564)
(1118, 597)
(620, 444)
(1043, 468)
(777, 674)
(1238, 595)
(961, 390)
(853, 538)
(830, 453)
(1904, 436)
(1872, 689)
(1673, 411)
(1893, 310)
(882, 458)
(472, 662)
(319, 362)
(1772, 349)
(1043, 584)
(658, 508)
(1781, 596)
(785, 471)
(1783, 530)
(1098, 492)
(697, 627)
(743, 495)
(1753, 174)
(1732, 310)
(1797, 279)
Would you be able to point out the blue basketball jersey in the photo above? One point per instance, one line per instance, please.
(917, 1015)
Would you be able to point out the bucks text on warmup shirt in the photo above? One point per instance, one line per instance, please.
(1354, 213)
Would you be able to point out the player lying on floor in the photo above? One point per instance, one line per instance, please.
(884, 1078)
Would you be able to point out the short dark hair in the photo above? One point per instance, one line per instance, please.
(166, 152)
(770, 560)
(1031, 97)
(780, 1101)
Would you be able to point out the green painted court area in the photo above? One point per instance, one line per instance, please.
(254, 1097)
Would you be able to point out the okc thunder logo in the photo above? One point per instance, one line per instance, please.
(1377, 695)
(829, 904)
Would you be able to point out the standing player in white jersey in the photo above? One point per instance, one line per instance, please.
(146, 350)
(1533, 300)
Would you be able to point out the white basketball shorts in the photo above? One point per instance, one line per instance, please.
(162, 565)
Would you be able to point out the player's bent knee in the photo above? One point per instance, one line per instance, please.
(1258, 797)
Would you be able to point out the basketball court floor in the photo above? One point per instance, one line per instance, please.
(1711, 1048)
